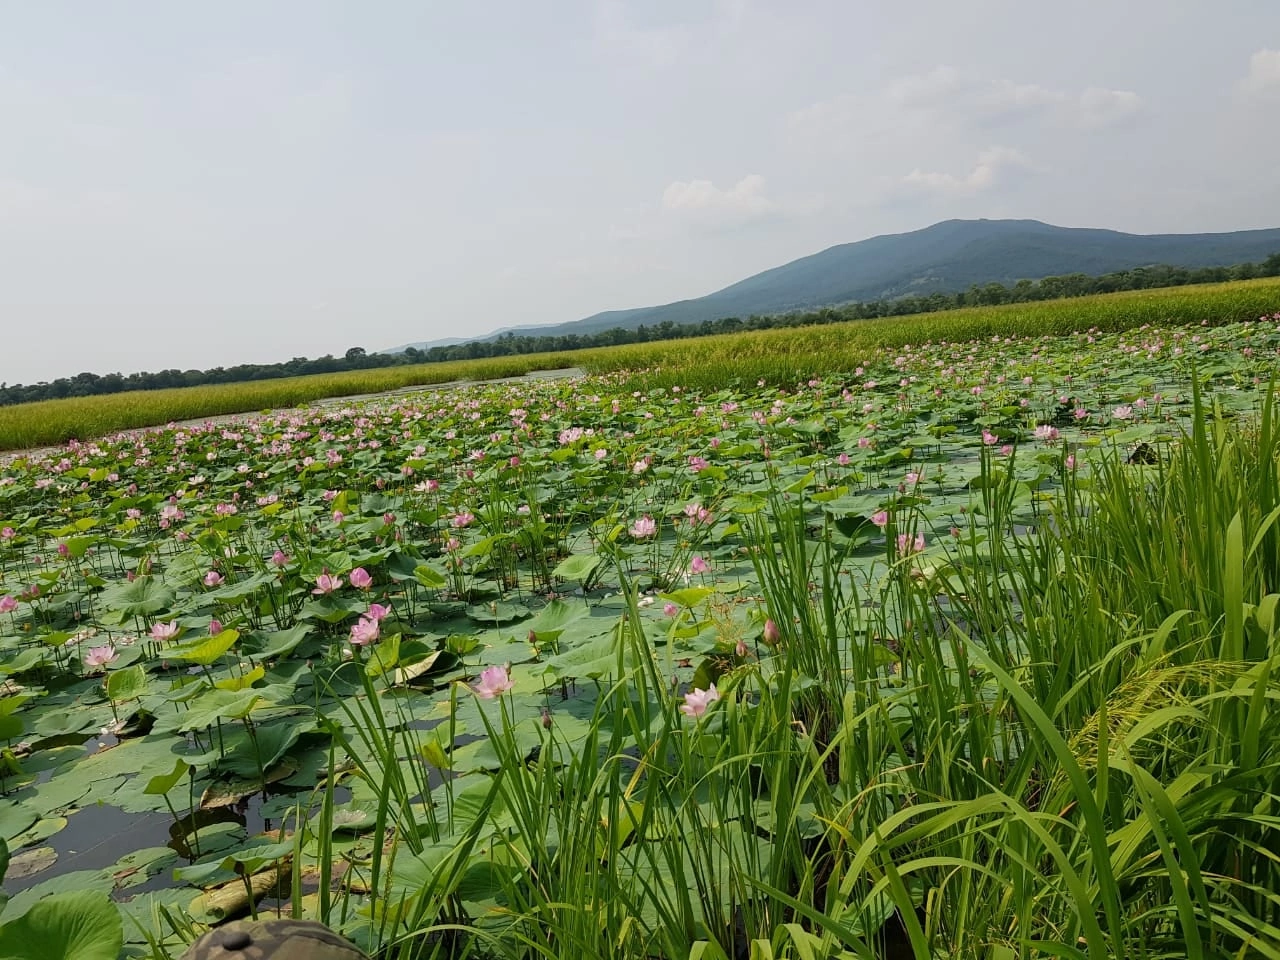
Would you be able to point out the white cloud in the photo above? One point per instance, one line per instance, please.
(1264, 73)
(941, 83)
(1099, 107)
(704, 202)
(1006, 97)
(949, 93)
(992, 164)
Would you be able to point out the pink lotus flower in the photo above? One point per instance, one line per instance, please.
(365, 632)
(161, 631)
(280, 558)
(326, 583)
(377, 611)
(463, 519)
(1046, 433)
(906, 545)
(643, 528)
(1122, 412)
(696, 701)
(772, 635)
(698, 464)
(1071, 461)
(697, 513)
(8, 533)
(338, 516)
(215, 627)
(699, 565)
(912, 478)
(989, 438)
(360, 578)
(843, 459)
(8, 604)
(880, 518)
(100, 656)
(670, 609)
(213, 579)
(494, 681)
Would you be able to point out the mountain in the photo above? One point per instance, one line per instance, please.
(946, 257)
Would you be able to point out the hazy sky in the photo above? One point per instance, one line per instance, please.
(187, 185)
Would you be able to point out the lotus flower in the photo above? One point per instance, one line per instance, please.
(696, 701)
(908, 545)
(100, 656)
(646, 526)
(365, 632)
(494, 681)
(164, 631)
(326, 583)
(772, 635)
(360, 578)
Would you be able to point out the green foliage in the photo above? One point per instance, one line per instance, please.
(66, 926)
(991, 629)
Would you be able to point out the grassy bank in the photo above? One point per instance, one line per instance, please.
(778, 356)
(56, 421)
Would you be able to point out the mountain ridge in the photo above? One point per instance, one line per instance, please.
(948, 256)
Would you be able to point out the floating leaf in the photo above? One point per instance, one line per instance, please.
(554, 617)
(412, 671)
(501, 611)
(84, 925)
(282, 642)
(127, 684)
(208, 651)
(244, 681)
(162, 783)
(383, 656)
(30, 862)
(429, 577)
(137, 598)
(579, 566)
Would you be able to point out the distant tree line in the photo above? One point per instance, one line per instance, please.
(510, 344)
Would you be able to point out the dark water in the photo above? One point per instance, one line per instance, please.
(97, 837)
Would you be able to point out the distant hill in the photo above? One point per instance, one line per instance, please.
(946, 257)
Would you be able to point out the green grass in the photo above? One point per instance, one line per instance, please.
(778, 356)
(784, 356)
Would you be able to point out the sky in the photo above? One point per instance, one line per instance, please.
(194, 185)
